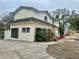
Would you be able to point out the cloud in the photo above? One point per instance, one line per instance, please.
(6, 5)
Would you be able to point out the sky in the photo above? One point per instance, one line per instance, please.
(10, 5)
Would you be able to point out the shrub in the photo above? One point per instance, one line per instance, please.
(43, 35)
(48, 34)
(1, 32)
(61, 29)
(38, 34)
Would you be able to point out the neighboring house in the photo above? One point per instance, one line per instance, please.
(27, 20)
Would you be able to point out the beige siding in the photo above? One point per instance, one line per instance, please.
(27, 36)
(7, 35)
(25, 13)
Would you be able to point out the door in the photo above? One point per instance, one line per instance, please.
(14, 32)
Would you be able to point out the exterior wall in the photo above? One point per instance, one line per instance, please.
(25, 13)
(26, 36)
(56, 32)
(22, 36)
(7, 35)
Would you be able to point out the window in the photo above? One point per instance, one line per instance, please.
(14, 32)
(45, 18)
(26, 30)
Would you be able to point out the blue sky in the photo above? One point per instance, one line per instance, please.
(8, 5)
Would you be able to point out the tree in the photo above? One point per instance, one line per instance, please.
(73, 12)
(61, 16)
(7, 18)
(74, 21)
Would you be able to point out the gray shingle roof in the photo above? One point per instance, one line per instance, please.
(32, 19)
(29, 19)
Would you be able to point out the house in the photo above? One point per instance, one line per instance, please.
(27, 20)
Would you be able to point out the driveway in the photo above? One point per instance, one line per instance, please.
(23, 50)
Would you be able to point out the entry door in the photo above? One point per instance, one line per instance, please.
(14, 32)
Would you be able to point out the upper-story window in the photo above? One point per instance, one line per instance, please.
(45, 18)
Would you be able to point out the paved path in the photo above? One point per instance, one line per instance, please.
(23, 50)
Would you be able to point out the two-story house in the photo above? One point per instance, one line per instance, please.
(27, 19)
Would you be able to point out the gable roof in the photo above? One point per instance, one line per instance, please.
(31, 8)
(32, 19)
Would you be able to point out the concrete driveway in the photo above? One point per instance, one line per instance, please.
(23, 50)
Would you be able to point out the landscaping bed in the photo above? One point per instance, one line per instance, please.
(65, 50)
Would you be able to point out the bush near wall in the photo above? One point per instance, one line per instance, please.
(43, 35)
(38, 34)
(1, 32)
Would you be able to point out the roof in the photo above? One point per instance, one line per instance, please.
(32, 19)
(31, 8)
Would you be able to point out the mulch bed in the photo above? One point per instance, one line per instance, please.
(65, 50)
